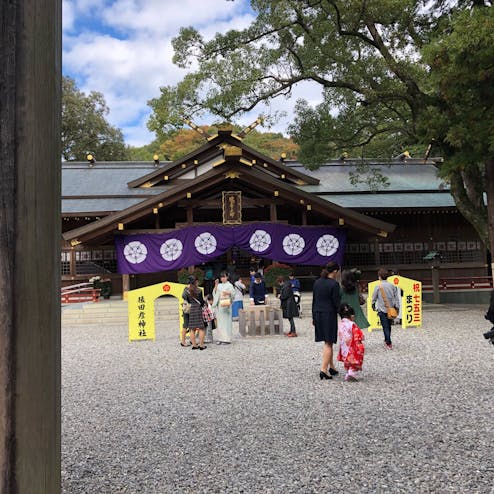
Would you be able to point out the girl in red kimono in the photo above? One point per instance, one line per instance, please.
(351, 347)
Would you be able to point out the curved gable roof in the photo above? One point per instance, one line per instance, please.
(255, 178)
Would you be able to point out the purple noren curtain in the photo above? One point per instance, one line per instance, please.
(303, 245)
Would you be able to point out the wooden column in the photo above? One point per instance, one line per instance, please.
(190, 215)
(73, 271)
(377, 256)
(30, 236)
(273, 217)
(125, 285)
(304, 218)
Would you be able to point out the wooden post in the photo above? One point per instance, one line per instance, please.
(252, 323)
(273, 216)
(262, 322)
(435, 283)
(73, 271)
(242, 320)
(377, 255)
(125, 285)
(190, 215)
(272, 329)
(30, 236)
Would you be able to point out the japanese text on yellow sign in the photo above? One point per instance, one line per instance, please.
(410, 310)
(141, 308)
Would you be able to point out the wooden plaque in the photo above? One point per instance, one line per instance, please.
(232, 208)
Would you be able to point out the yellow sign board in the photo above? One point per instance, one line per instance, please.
(141, 308)
(410, 302)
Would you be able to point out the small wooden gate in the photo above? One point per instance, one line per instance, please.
(260, 320)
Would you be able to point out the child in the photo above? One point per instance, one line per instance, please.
(351, 347)
(210, 324)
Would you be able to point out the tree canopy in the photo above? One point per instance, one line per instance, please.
(392, 74)
(85, 128)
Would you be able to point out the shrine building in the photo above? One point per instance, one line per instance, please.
(226, 204)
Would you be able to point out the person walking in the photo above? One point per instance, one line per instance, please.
(288, 304)
(325, 304)
(350, 295)
(384, 298)
(351, 351)
(193, 295)
(223, 294)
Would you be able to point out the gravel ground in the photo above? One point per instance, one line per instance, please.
(253, 417)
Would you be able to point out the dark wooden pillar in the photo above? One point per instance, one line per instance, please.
(377, 255)
(73, 270)
(30, 236)
(190, 215)
(273, 217)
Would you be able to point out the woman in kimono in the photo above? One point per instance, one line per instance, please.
(351, 347)
(223, 295)
(350, 295)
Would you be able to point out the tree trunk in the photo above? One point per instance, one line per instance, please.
(476, 215)
(489, 188)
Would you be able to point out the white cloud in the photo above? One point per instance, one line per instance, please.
(123, 49)
(169, 16)
(68, 15)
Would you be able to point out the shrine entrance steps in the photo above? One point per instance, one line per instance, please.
(113, 312)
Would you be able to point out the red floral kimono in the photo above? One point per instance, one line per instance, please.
(351, 347)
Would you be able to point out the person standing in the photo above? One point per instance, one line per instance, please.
(325, 304)
(384, 297)
(257, 291)
(351, 296)
(193, 295)
(223, 294)
(351, 347)
(295, 284)
(288, 304)
(252, 274)
(211, 318)
(238, 300)
(208, 279)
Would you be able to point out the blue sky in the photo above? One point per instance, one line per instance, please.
(122, 48)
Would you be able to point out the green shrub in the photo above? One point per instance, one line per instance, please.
(183, 275)
(272, 272)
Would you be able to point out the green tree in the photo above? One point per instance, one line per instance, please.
(461, 114)
(146, 152)
(85, 128)
(183, 141)
(385, 78)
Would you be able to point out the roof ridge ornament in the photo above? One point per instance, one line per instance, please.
(198, 129)
(258, 121)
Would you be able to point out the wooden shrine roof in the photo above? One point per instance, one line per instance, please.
(218, 150)
(229, 174)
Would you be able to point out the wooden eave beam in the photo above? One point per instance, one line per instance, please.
(137, 211)
(216, 176)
